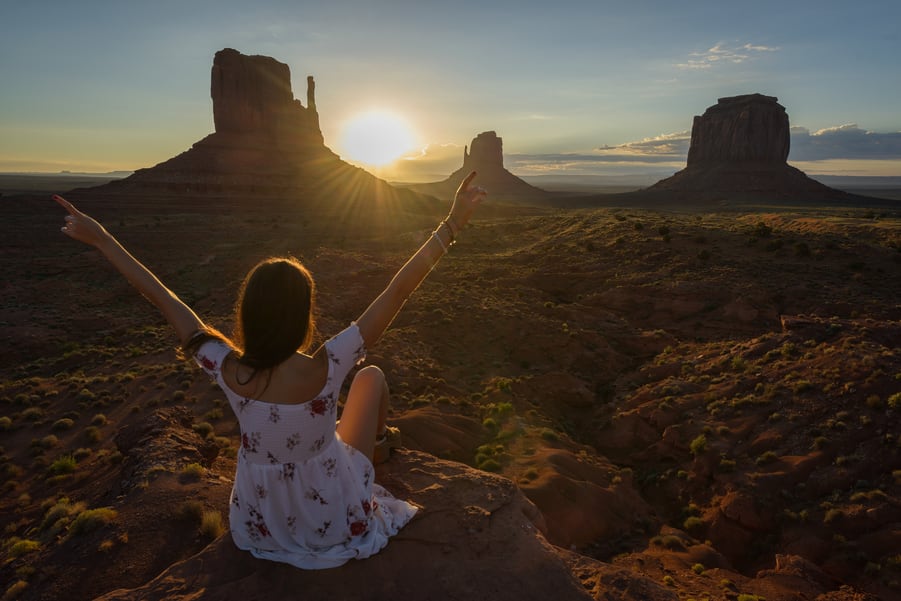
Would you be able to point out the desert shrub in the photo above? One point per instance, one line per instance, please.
(638, 226)
(15, 590)
(698, 568)
(869, 495)
(5, 423)
(670, 541)
(58, 517)
(489, 423)
(81, 453)
(23, 547)
(98, 420)
(693, 523)
(63, 465)
(894, 401)
(91, 519)
(750, 597)
(832, 515)
(549, 435)
(669, 581)
(92, 434)
(62, 424)
(204, 429)
(48, 442)
(191, 511)
(33, 414)
(213, 414)
(698, 445)
(192, 471)
(211, 525)
(663, 230)
(767, 457)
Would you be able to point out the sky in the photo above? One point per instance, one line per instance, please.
(573, 87)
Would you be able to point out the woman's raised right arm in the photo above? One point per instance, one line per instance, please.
(382, 311)
(83, 228)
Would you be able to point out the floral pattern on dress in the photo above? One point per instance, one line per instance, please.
(250, 442)
(293, 441)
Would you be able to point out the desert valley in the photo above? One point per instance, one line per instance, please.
(689, 391)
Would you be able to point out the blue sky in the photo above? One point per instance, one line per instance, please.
(102, 85)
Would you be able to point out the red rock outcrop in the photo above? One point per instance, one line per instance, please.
(476, 537)
(739, 148)
(749, 128)
(266, 144)
(485, 154)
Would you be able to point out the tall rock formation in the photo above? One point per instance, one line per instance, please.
(739, 148)
(265, 144)
(750, 128)
(485, 154)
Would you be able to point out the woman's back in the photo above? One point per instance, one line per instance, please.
(301, 495)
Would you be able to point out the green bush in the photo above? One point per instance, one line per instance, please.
(698, 445)
(63, 465)
(62, 424)
(91, 519)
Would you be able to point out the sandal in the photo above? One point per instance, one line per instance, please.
(390, 439)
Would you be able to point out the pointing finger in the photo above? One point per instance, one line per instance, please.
(66, 205)
(464, 185)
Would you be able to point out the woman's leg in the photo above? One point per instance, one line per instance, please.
(365, 410)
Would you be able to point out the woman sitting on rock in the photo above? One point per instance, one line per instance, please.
(304, 492)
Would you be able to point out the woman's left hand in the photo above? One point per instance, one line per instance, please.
(80, 226)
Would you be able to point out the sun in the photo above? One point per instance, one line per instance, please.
(377, 137)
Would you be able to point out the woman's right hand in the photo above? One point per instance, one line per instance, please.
(466, 200)
(79, 226)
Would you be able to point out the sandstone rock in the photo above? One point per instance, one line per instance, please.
(476, 537)
(485, 155)
(248, 91)
(739, 148)
(163, 439)
(750, 128)
(266, 144)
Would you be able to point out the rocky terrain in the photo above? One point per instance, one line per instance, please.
(598, 403)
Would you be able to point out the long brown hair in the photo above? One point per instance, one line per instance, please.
(273, 315)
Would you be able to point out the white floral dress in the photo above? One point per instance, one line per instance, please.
(302, 495)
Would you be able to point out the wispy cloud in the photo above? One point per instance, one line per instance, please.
(671, 146)
(723, 54)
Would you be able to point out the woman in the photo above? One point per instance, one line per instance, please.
(303, 491)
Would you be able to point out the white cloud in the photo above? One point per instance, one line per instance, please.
(721, 53)
(846, 141)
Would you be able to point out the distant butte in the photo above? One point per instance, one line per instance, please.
(485, 155)
(739, 150)
(266, 144)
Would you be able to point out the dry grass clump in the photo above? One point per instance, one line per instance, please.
(192, 471)
(211, 525)
(91, 519)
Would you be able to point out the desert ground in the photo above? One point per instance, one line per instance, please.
(698, 397)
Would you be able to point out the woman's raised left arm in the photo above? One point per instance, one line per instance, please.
(83, 228)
